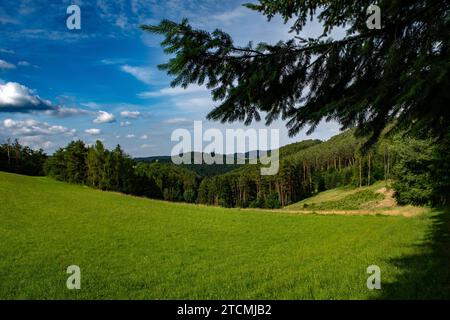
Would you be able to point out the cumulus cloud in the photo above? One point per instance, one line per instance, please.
(63, 112)
(125, 123)
(33, 127)
(144, 137)
(36, 142)
(131, 136)
(35, 134)
(15, 97)
(140, 73)
(6, 65)
(130, 114)
(104, 117)
(93, 132)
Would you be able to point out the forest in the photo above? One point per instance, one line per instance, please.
(415, 167)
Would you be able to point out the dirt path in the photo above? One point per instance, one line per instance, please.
(406, 211)
(389, 200)
(388, 207)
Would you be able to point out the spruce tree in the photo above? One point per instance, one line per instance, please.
(367, 79)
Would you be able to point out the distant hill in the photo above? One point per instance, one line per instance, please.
(206, 170)
(203, 170)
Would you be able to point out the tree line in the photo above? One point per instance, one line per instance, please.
(17, 158)
(418, 167)
(306, 168)
(113, 170)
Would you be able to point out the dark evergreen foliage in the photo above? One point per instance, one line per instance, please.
(99, 168)
(418, 168)
(368, 79)
(17, 158)
(306, 167)
(422, 171)
(173, 183)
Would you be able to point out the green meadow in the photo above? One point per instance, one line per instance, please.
(136, 248)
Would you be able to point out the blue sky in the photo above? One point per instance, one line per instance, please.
(102, 82)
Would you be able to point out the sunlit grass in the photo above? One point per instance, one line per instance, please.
(129, 247)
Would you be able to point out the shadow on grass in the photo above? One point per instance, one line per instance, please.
(425, 275)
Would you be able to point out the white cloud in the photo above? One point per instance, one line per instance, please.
(144, 137)
(130, 114)
(104, 117)
(36, 142)
(15, 97)
(125, 123)
(130, 136)
(93, 131)
(63, 112)
(6, 65)
(33, 127)
(140, 73)
(172, 91)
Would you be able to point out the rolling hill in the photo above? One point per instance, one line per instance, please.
(129, 247)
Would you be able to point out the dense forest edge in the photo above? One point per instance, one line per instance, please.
(417, 167)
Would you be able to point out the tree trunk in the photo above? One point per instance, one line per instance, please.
(9, 156)
(360, 172)
(388, 165)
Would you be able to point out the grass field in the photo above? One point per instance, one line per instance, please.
(136, 248)
(372, 200)
(343, 198)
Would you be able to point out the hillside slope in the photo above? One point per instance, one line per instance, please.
(371, 200)
(128, 247)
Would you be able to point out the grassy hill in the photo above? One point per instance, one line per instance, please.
(338, 198)
(130, 247)
(374, 199)
(210, 170)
